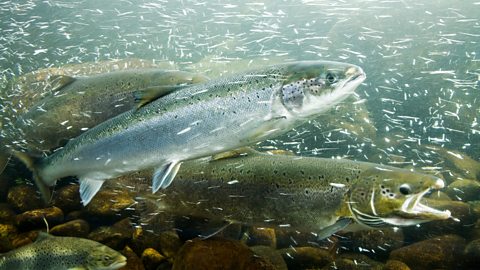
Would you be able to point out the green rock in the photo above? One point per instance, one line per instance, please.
(464, 190)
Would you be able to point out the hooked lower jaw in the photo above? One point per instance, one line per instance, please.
(413, 208)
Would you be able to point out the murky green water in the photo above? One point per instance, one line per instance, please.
(419, 107)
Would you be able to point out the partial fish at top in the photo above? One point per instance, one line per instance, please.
(197, 121)
(40, 123)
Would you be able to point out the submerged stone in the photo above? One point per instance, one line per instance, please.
(24, 198)
(152, 259)
(395, 265)
(376, 243)
(306, 257)
(39, 218)
(464, 190)
(74, 228)
(133, 261)
(260, 237)
(439, 252)
(109, 205)
(217, 253)
(271, 255)
(353, 261)
(67, 198)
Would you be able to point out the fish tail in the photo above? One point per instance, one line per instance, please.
(32, 164)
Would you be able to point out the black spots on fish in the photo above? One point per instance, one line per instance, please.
(347, 179)
(275, 171)
(321, 177)
(302, 172)
(306, 192)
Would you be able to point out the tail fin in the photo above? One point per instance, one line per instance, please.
(32, 165)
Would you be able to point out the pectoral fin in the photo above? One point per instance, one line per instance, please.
(147, 95)
(88, 189)
(164, 175)
(341, 224)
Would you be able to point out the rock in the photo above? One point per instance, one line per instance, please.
(7, 232)
(464, 190)
(67, 198)
(216, 253)
(108, 205)
(36, 218)
(439, 252)
(74, 228)
(354, 261)
(270, 255)
(74, 215)
(395, 265)
(472, 254)
(152, 259)
(24, 198)
(5, 182)
(190, 227)
(113, 237)
(377, 243)
(306, 257)
(7, 214)
(462, 217)
(24, 239)
(260, 237)
(170, 244)
(133, 261)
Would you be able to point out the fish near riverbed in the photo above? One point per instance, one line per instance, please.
(309, 194)
(200, 120)
(62, 253)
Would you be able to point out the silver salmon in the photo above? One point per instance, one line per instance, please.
(200, 120)
(309, 194)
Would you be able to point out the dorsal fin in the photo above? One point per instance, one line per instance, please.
(147, 95)
(58, 82)
(243, 151)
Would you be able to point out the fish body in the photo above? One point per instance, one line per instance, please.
(200, 120)
(79, 103)
(62, 253)
(304, 193)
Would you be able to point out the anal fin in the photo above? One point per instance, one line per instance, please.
(88, 189)
(164, 175)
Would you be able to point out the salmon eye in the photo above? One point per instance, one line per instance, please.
(331, 78)
(405, 189)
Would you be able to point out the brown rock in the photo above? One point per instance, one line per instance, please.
(7, 232)
(464, 190)
(472, 254)
(270, 255)
(36, 218)
(5, 182)
(7, 214)
(67, 198)
(215, 253)
(133, 261)
(152, 259)
(260, 237)
(74, 215)
(113, 237)
(74, 228)
(287, 237)
(438, 252)
(354, 261)
(395, 265)
(170, 244)
(24, 239)
(108, 205)
(377, 243)
(24, 198)
(306, 257)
